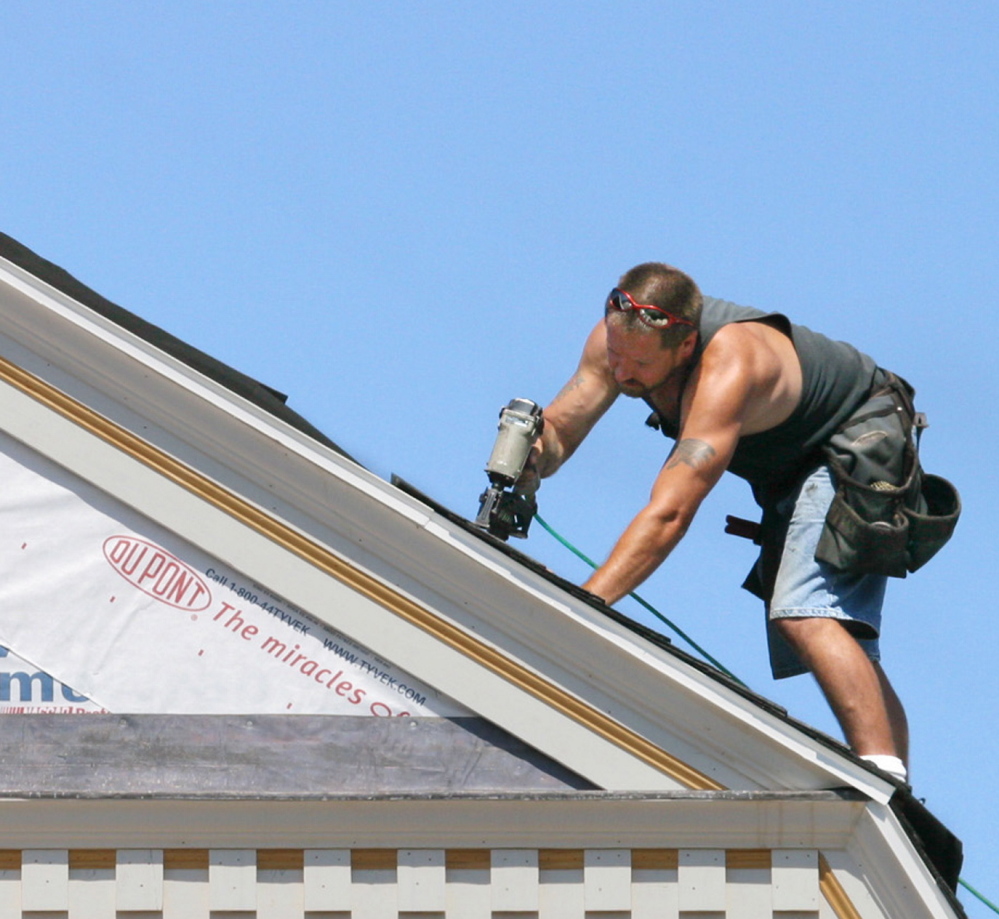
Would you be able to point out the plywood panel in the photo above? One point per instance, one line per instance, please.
(185, 893)
(607, 881)
(139, 879)
(561, 890)
(280, 894)
(701, 880)
(421, 880)
(232, 879)
(326, 875)
(91, 893)
(796, 879)
(514, 880)
(44, 879)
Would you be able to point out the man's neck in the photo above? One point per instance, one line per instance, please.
(667, 397)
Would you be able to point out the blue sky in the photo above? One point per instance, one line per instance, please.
(404, 214)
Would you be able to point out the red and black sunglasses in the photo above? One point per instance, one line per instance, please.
(622, 301)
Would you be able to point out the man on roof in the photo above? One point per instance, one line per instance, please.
(748, 392)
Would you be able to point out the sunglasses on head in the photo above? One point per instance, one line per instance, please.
(656, 316)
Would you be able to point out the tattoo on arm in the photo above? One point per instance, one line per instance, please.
(694, 453)
(574, 383)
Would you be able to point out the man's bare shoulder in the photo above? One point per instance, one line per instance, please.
(755, 365)
(751, 348)
(595, 349)
(588, 393)
(593, 372)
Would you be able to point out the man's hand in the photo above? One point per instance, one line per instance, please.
(530, 479)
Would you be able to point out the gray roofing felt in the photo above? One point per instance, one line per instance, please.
(269, 755)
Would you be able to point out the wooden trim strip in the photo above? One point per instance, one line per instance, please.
(834, 893)
(468, 859)
(290, 540)
(374, 859)
(748, 858)
(93, 858)
(185, 859)
(561, 859)
(280, 860)
(655, 859)
(10, 859)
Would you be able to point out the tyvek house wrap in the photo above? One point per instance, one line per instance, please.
(157, 625)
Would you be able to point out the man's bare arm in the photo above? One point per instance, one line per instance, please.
(578, 406)
(691, 452)
(688, 475)
(719, 396)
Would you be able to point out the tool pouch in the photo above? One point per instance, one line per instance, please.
(888, 517)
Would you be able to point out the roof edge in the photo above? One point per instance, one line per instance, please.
(259, 394)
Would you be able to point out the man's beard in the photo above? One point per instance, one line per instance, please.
(634, 390)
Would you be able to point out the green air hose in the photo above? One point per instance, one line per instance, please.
(690, 641)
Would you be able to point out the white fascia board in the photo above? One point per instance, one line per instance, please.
(358, 516)
(93, 356)
(498, 822)
(893, 870)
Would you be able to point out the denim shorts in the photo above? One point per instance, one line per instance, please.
(806, 588)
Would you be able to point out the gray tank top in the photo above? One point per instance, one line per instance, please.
(836, 379)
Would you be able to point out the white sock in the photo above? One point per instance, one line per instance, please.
(890, 764)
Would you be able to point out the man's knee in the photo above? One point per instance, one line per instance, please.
(812, 634)
(795, 628)
(821, 642)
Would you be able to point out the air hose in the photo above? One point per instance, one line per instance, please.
(690, 641)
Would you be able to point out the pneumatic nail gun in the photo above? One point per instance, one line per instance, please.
(504, 511)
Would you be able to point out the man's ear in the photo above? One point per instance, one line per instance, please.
(687, 345)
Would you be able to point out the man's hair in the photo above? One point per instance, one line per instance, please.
(669, 289)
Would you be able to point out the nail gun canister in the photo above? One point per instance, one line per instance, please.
(519, 425)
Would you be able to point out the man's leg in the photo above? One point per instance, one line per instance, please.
(862, 699)
(811, 607)
(896, 715)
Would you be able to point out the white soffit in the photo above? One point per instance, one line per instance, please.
(513, 666)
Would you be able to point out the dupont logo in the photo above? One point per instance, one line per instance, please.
(157, 573)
